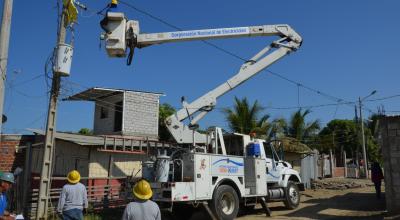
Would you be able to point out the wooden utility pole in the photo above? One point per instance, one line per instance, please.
(4, 42)
(365, 164)
(49, 147)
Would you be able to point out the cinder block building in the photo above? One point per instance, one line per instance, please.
(125, 130)
(389, 138)
(123, 112)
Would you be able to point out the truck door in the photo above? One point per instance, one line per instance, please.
(202, 176)
(273, 171)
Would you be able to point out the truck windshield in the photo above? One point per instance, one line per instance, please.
(270, 151)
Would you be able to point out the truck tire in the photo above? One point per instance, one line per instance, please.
(292, 196)
(225, 203)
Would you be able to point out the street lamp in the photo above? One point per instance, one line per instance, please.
(360, 100)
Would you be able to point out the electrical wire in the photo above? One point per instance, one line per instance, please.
(28, 80)
(105, 103)
(383, 98)
(326, 95)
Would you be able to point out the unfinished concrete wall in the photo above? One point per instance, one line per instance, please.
(122, 164)
(141, 114)
(389, 136)
(104, 115)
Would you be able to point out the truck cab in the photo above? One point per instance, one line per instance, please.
(284, 183)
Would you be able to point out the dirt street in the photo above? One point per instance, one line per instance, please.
(359, 203)
(329, 204)
(356, 203)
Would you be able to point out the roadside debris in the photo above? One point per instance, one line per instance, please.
(339, 184)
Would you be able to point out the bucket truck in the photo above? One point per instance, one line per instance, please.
(222, 172)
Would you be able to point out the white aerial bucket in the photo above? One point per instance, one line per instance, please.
(62, 64)
(162, 168)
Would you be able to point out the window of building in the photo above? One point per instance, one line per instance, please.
(103, 112)
(118, 116)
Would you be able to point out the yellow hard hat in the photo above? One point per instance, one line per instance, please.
(74, 176)
(142, 190)
(114, 2)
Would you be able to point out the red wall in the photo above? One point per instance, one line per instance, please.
(98, 192)
(338, 172)
(9, 159)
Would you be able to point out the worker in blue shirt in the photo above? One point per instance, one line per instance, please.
(6, 181)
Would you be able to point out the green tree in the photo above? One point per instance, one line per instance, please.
(372, 123)
(298, 128)
(344, 135)
(339, 135)
(85, 131)
(246, 118)
(165, 110)
(277, 129)
(373, 148)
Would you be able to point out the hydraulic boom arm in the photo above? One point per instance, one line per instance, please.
(125, 34)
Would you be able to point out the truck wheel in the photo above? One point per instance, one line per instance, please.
(225, 203)
(292, 196)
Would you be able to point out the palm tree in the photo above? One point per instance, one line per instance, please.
(165, 110)
(245, 118)
(298, 128)
(277, 128)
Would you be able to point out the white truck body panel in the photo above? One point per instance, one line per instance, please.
(243, 172)
(255, 177)
(202, 176)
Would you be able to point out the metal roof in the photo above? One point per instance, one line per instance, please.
(96, 93)
(86, 140)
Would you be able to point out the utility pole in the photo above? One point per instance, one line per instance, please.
(45, 178)
(61, 67)
(363, 140)
(357, 149)
(4, 42)
(360, 100)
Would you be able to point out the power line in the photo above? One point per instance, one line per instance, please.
(11, 88)
(383, 98)
(306, 87)
(331, 97)
(28, 81)
(113, 104)
(298, 84)
(77, 85)
(180, 29)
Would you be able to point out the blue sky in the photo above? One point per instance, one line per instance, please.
(349, 50)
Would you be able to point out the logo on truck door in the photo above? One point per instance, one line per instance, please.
(231, 166)
(203, 164)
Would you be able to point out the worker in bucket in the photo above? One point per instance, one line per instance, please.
(142, 208)
(73, 198)
(6, 182)
(112, 7)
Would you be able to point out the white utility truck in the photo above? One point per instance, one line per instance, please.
(222, 172)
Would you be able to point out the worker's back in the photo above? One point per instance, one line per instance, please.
(73, 196)
(144, 210)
